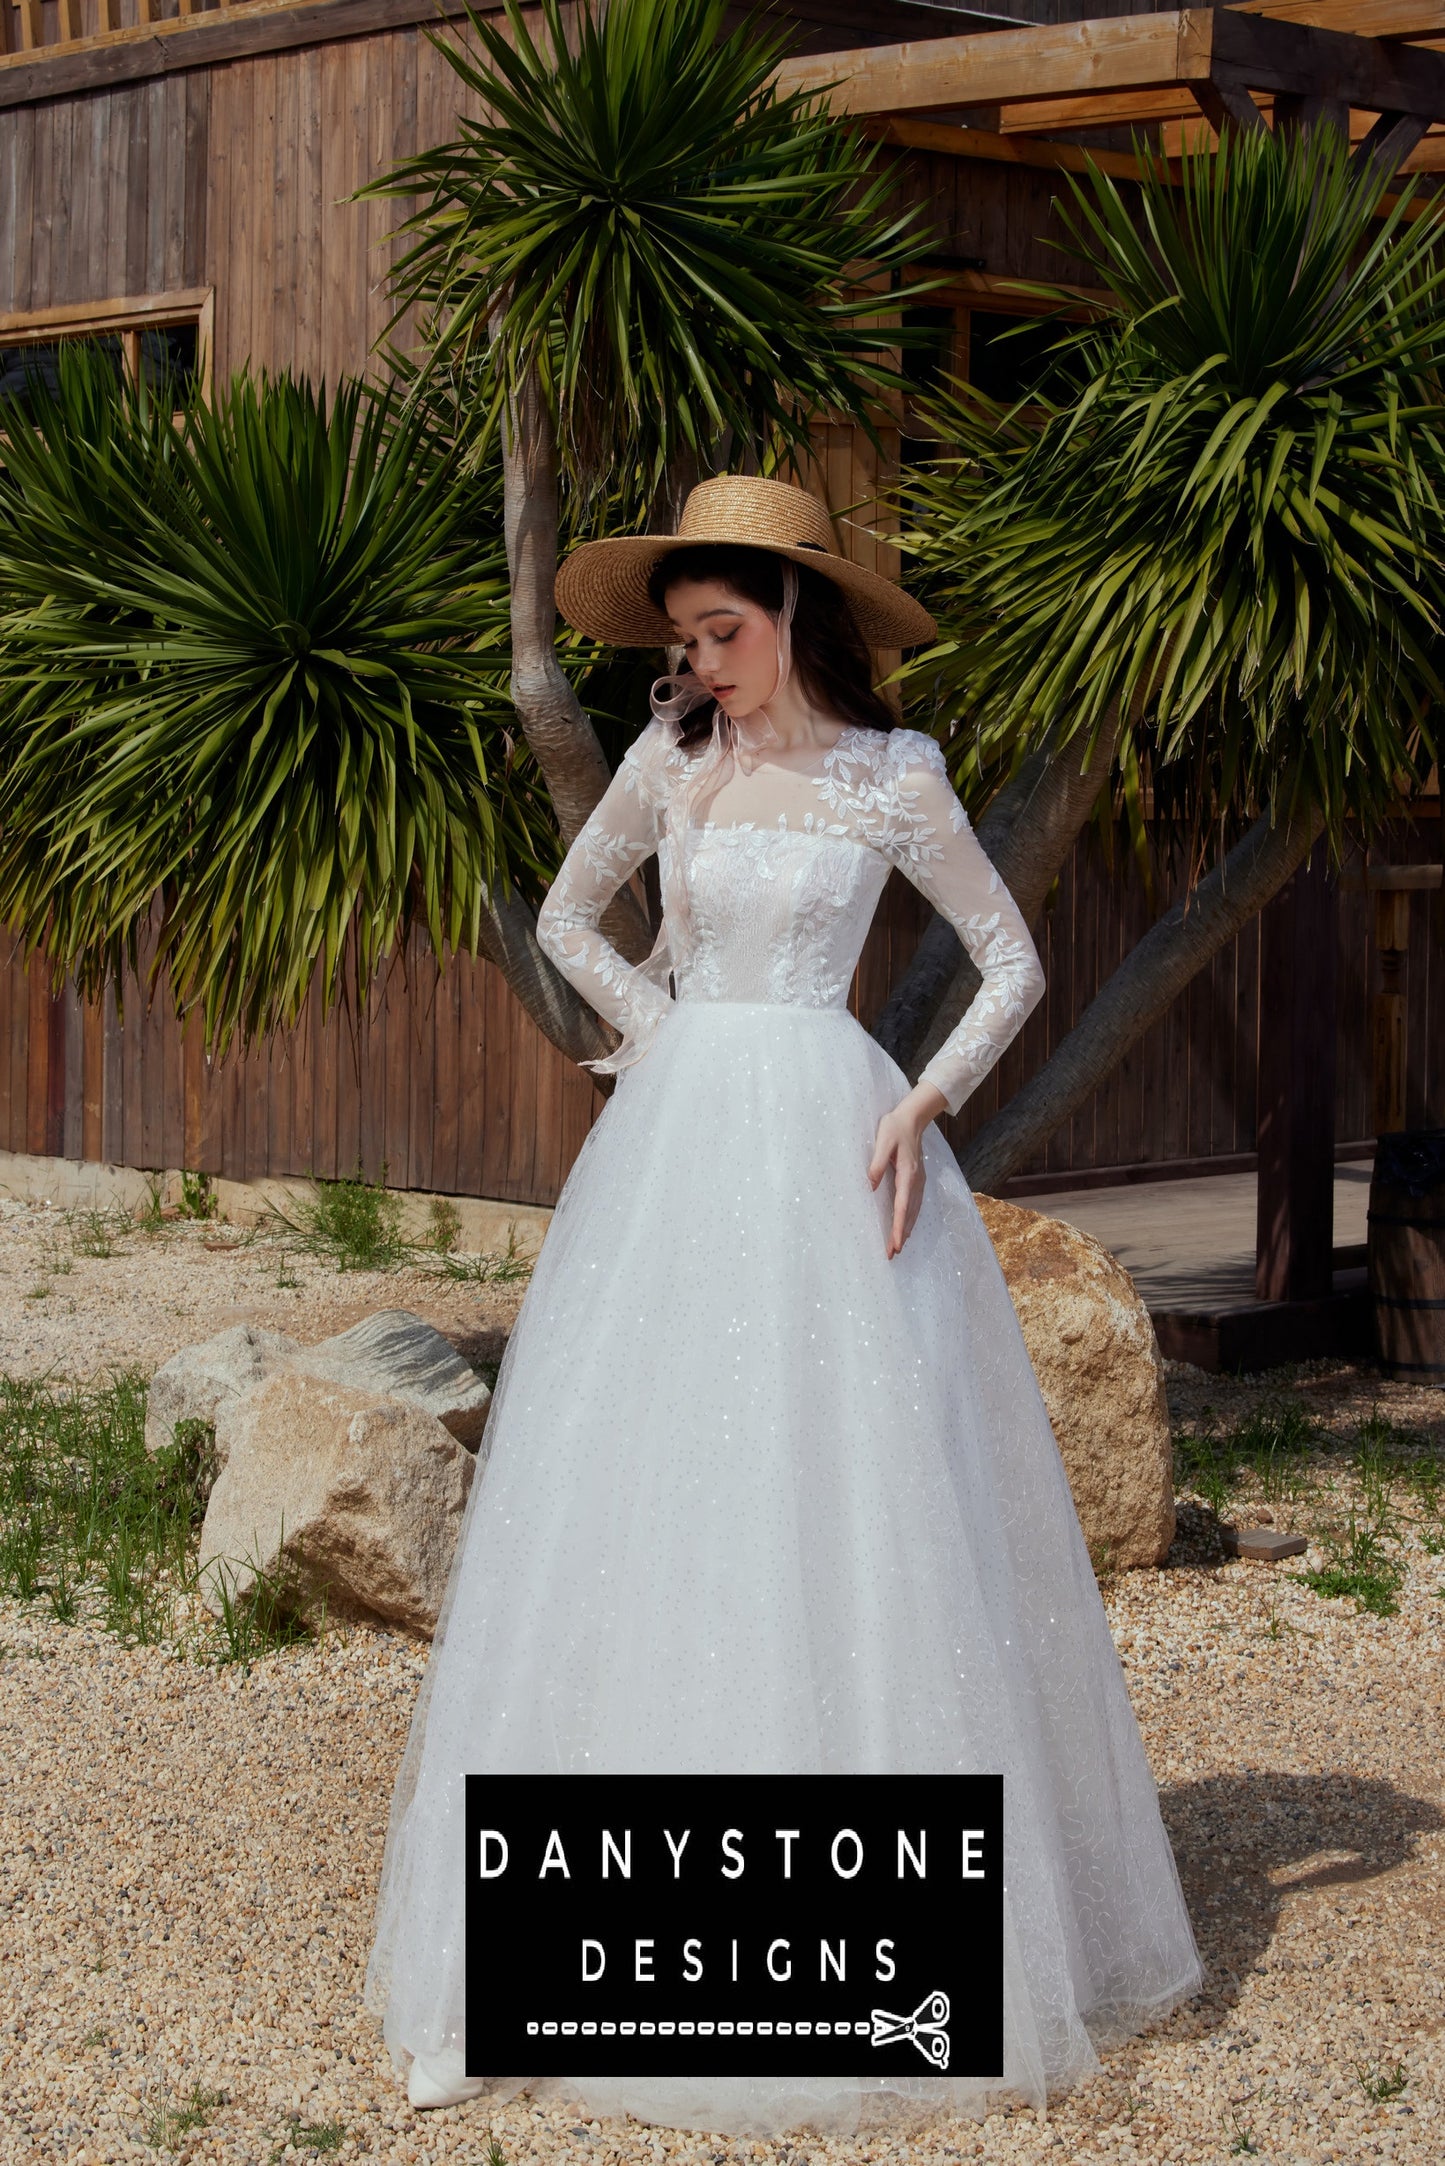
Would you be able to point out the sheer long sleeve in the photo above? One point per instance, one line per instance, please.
(934, 845)
(619, 836)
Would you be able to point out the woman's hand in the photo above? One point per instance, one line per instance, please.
(899, 1144)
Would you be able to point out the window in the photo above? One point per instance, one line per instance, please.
(1005, 351)
(154, 339)
(1010, 356)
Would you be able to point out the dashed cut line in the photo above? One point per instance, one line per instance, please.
(825, 2028)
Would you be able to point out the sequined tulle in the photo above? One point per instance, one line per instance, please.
(759, 1499)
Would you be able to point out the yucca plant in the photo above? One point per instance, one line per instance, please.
(646, 264)
(643, 231)
(252, 664)
(1212, 544)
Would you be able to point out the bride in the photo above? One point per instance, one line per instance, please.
(770, 1485)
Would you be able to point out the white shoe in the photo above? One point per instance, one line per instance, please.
(441, 2079)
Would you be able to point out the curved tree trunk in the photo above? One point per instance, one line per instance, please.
(558, 731)
(572, 761)
(1150, 977)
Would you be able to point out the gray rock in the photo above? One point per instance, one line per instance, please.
(396, 1355)
(353, 1499)
(200, 1382)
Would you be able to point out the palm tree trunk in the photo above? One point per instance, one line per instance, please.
(1152, 975)
(553, 721)
(568, 753)
(1027, 832)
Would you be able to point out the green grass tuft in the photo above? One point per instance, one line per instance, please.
(97, 1232)
(507, 1269)
(1380, 2083)
(353, 1224)
(93, 1524)
(1271, 1442)
(316, 2136)
(198, 1196)
(446, 1226)
(170, 2125)
(1359, 1566)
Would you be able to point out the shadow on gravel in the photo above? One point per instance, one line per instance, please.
(1245, 1841)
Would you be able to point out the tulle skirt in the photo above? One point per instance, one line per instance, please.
(759, 1500)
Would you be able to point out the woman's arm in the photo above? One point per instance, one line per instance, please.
(942, 856)
(618, 837)
(932, 842)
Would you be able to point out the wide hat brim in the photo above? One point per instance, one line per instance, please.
(602, 589)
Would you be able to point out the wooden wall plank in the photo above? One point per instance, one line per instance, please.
(474, 1087)
(280, 1081)
(17, 207)
(164, 264)
(303, 1093)
(19, 1049)
(238, 280)
(170, 1047)
(424, 1005)
(371, 1083)
(501, 1103)
(193, 1097)
(8, 978)
(256, 1098)
(37, 1059)
(192, 240)
(135, 209)
(112, 1081)
(92, 1112)
(446, 1075)
(150, 1078)
(350, 1050)
(332, 1048)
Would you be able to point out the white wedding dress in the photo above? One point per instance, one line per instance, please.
(759, 1499)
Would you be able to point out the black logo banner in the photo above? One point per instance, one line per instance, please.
(755, 1925)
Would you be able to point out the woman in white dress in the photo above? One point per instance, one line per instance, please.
(770, 1486)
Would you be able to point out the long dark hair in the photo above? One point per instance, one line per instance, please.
(829, 654)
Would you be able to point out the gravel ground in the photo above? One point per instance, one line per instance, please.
(67, 1313)
(188, 1854)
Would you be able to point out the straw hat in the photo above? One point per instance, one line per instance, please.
(602, 587)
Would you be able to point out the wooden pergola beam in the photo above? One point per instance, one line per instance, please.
(1006, 66)
(1408, 19)
(1260, 52)
(1426, 154)
(995, 149)
(1224, 52)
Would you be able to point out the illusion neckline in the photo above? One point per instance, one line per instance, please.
(848, 732)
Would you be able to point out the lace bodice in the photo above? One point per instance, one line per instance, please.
(773, 902)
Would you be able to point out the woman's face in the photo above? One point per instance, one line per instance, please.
(730, 643)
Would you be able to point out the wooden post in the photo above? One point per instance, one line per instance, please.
(1299, 968)
(1392, 886)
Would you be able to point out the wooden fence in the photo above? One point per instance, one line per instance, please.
(445, 1085)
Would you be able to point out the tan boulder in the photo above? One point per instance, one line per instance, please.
(200, 1382)
(1099, 1368)
(352, 1496)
